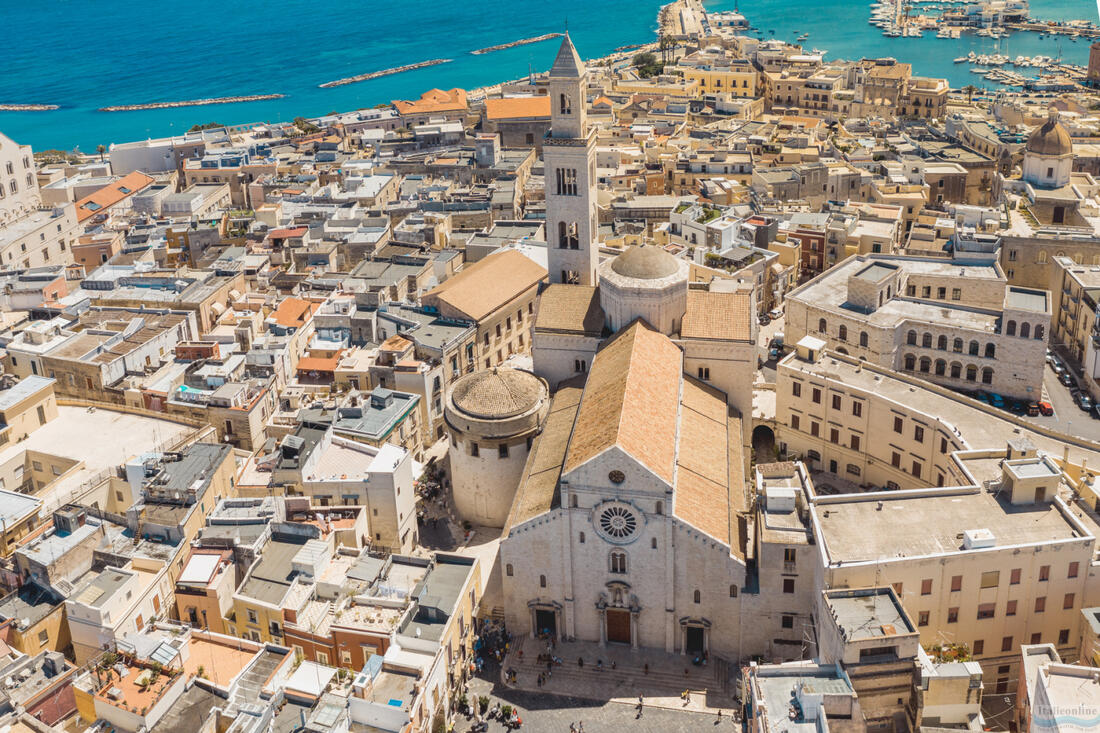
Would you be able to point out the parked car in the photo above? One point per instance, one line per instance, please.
(1050, 356)
(764, 319)
(1033, 409)
(776, 313)
(1096, 411)
(983, 397)
(1045, 408)
(1067, 379)
(1084, 402)
(996, 400)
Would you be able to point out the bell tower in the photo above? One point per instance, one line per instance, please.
(569, 161)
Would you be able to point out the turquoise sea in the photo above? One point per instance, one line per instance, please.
(83, 55)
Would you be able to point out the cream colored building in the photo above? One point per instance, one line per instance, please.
(19, 194)
(954, 322)
(497, 295)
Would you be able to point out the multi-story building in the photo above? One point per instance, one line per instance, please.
(717, 72)
(497, 294)
(1074, 294)
(954, 322)
(19, 194)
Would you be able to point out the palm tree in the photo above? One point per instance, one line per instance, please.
(101, 149)
(969, 89)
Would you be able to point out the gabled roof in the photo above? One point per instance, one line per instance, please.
(631, 400)
(517, 108)
(568, 62)
(433, 100)
(486, 285)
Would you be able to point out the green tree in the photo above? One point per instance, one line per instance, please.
(205, 126)
(969, 89)
(101, 149)
(647, 65)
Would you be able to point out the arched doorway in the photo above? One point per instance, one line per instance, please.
(763, 444)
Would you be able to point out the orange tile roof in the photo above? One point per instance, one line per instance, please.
(294, 311)
(111, 194)
(287, 232)
(517, 108)
(702, 494)
(433, 100)
(602, 102)
(718, 315)
(318, 363)
(631, 401)
(487, 285)
(397, 342)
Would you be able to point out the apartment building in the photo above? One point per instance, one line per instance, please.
(954, 322)
(1074, 293)
(19, 194)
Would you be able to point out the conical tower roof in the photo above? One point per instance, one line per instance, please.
(568, 62)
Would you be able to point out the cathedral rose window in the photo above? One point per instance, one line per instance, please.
(618, 522)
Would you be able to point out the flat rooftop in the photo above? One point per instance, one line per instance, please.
(119, 436)
(979, 428)
(876, 272)
(829, 291)
(23, 389)
(867, 613)
(886, 527)
(1028, 300)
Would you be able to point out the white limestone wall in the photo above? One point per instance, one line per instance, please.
(485, 485)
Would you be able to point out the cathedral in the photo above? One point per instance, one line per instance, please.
(629, 524)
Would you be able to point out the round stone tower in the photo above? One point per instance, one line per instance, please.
(492, 417)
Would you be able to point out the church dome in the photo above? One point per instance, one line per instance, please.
(495, 394)
(645, 263)
(1050, 138)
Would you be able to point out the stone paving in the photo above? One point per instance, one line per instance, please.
(544, 712)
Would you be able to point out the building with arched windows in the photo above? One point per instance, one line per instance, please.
(954, 322)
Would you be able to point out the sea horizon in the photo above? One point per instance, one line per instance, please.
(146, 58)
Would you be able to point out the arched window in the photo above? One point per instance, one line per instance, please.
(698, 596)
(990, 351)
(941, 367)
(566, 107)
(911, 338)
(842, 333)
(957, 346)
(910, 362)
(926, 341)
(1042, 258)
(1010, 329)
(987, 375)
(508, 569)
(956, 370)
(822, 326)
(974, 348)
(618, 561)
(863, 339)
(971, 373)
(941, 343)
(1025, 330)
(925, 364)
(542, 581)
(813, 456)
(1040, 332)
(733, 591)
(659, 508)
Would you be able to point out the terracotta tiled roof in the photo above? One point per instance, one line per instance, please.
(538, 490)
(397, 342)
(111, 194)
(433, 100)
(487, 285)
(630, 401)
(517, 108)
(287, 232)
(570, 309)
(294, 311)
(318, 363)
(718, 315)
(702, 494)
